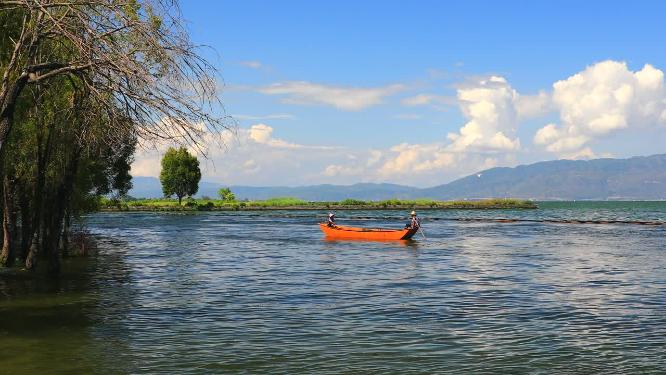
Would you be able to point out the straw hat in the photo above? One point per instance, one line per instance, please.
(413, 213)
(331, 214)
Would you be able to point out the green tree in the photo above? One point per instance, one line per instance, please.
(180, 174)
(80, 81)
(226, 194)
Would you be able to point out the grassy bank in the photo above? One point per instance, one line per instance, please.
(298, 204)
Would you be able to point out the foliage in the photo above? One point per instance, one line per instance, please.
(80, 82)
(180, 173)
(226, 194)
(295, 203)
(352, 202)
(278, 202)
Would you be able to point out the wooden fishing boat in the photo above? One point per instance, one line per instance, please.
(340, 231)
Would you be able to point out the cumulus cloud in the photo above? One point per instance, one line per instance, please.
(430, 164)
(334, 170)
(248, 151)
(414, 157)
(493, 110)
(604, 98)
(531, 106)
(489, 106)
(256, 156)
(341, 97)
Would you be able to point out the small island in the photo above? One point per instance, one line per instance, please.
(207, 204)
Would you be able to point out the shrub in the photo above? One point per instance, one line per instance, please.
(353, 202)
(205, 207)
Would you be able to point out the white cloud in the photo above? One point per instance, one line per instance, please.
(147, 162)
(604, 98)
(374, 158)
(430, 164)
(531, 106)
(251, 155)
(252, 64)
(558, 141)
(263, 134)
(489, 106)
(334, 170)
(255, 156)
(251, 167)
(599, 101)
(436, 101)
(417, 158)
(345, 98)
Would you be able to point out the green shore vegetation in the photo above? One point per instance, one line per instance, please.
(206, 204)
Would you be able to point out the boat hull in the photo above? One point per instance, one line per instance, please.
(343, 232)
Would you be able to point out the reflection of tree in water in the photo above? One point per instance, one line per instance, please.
(66, 322)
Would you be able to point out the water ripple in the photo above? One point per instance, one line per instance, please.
(245, 293)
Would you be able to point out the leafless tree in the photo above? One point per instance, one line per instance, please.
(134, 58)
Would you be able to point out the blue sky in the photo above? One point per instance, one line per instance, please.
(423, 92)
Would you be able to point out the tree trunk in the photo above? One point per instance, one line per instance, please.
(5, 127)
(180, 199)
(8, 97)
(64, 238)
(38, 218)
(26, 227)
(7, 254)
(31, 258)
(57, 216)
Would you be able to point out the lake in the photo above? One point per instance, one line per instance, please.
(251, 292)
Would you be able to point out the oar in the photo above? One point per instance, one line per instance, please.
(423, 234)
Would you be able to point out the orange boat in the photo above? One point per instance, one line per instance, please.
(340, 231)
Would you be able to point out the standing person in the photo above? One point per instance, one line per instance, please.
(331, 220)
(415, 222)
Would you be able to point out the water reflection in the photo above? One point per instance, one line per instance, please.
(411, 243)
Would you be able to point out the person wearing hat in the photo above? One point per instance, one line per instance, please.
(415, 222)
(331, 220)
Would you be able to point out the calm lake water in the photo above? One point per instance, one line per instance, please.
(256, 292)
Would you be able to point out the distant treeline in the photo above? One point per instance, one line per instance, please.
(295, 203)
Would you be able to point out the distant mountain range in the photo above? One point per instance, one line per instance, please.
(150, 187)
(638, 178)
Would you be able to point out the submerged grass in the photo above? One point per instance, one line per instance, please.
(165, 204)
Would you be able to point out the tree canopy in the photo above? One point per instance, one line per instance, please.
(226, 194)
(81, 83)
(180, 173)
(133, 58)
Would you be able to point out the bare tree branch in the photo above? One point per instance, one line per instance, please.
(134, 58)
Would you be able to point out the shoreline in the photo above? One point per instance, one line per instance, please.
(311, 208)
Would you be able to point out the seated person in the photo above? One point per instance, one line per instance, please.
(331, 220)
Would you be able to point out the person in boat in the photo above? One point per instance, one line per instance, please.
(414, 222)
(331, 220)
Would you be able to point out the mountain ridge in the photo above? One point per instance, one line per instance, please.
(635, 178)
